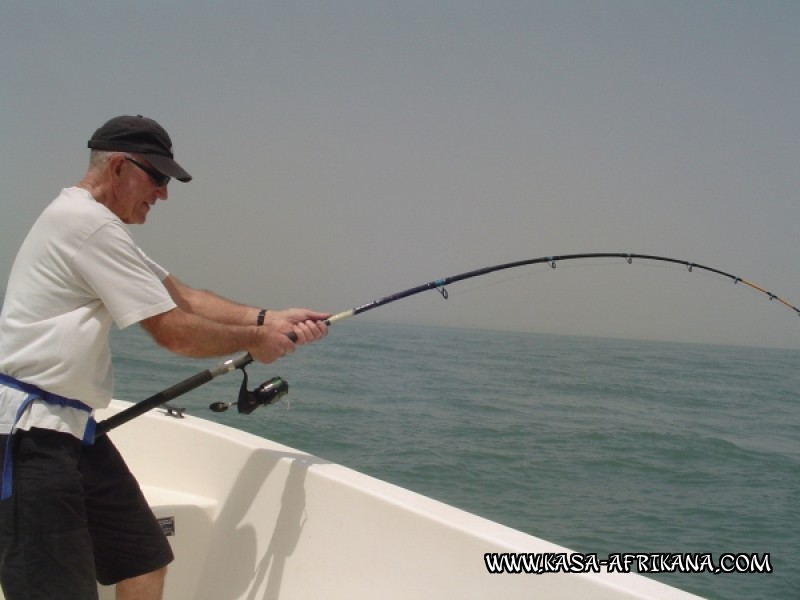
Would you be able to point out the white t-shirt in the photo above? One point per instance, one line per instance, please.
(76, 272)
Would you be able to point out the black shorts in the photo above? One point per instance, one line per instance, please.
(76, 516)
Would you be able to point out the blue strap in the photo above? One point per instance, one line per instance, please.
(5, 492)
(35, 393)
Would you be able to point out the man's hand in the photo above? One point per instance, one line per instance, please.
(307, 325)
(273, 340)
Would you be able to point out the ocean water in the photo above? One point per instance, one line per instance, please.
(600, 445)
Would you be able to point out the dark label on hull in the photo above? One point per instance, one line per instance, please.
(167, 525)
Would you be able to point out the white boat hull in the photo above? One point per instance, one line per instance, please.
(258, 520)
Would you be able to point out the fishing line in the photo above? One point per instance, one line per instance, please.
(274, 389)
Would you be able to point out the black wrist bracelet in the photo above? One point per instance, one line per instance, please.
(260, 319)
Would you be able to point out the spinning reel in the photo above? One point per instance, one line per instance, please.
(265, 394)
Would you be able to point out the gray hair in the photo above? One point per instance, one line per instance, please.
(99, 158)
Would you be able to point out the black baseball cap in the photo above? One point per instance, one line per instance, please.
(142, 136)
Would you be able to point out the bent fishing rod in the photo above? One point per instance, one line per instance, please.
(439, 284)
(269, 392)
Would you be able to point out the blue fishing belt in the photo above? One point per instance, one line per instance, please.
(36, 393)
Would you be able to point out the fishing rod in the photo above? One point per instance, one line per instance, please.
(274, 389)
(439, 284)
(265, 394)
(171, 393)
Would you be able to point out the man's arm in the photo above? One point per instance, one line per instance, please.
(206, 325)
(190, 335)
(209, 305)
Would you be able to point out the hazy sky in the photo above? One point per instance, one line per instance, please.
(343, 151)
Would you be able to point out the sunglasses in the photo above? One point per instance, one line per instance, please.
(157, 177)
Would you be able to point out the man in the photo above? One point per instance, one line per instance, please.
(71, 513)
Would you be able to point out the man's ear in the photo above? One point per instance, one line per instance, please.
(116, 164)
